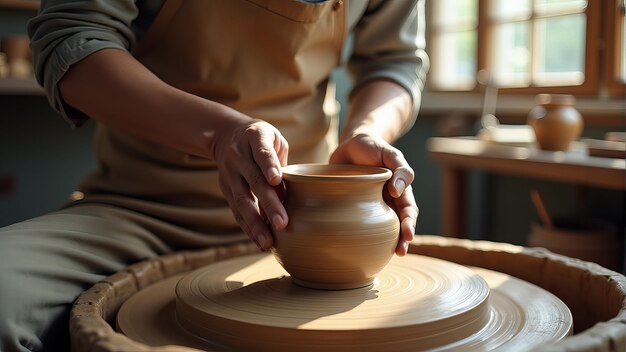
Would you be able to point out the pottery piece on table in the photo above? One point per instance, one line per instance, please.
(555, 121)
(18, 56)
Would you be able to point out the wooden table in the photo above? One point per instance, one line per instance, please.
(459, 154)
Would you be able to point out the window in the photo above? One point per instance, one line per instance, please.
(528, 46)
(615, 27)
(537, 43)
(455, 29)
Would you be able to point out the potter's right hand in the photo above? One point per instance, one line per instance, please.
(249, 158)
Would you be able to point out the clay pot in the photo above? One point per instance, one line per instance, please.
(4, 66)
(18, 56)
(555, 120)
(341, 232)
(16, 47)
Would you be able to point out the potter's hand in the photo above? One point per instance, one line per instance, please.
(249, 153)
(249, 158)
(364, 149)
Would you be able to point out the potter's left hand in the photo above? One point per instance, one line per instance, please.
(365, 149)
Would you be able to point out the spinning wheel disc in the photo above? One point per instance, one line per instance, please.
(416, 303)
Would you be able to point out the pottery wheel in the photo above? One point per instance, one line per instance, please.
(415, 303)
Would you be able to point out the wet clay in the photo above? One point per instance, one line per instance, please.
(341, 233)
(415, 303)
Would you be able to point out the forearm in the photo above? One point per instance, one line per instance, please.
(112, 87)
(380, 112)
(381, 108)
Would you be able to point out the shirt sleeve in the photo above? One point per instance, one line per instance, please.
(64, 32)
(389, 43)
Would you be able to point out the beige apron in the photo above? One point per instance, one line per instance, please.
(269, 59)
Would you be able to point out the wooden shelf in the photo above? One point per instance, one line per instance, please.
(20, 4)
(20, 86)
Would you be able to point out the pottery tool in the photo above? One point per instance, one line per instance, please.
(490, 99)
(540, 206)
(492, 130)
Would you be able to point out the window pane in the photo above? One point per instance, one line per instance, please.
(555, 6)
(511, 55)
(560, 50)
(453, 36)
(455, 66)
(510, 9)
(456, 14)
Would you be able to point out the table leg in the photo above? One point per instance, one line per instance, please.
(453, 202)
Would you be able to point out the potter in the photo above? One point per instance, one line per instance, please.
(199, 105)
(341, 232)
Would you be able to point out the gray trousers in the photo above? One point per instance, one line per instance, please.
(46, 262)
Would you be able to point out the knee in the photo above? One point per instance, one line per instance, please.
(34, 313)
(16, 329)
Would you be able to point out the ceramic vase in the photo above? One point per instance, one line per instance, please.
(341, 233)
(555, 121)
(17, 56)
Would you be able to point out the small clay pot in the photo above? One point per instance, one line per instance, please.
(341, 233)
(555, 120)
(16, 47)
(4, 66)
(18, 57)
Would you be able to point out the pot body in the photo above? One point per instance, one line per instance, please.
(341, 233)
(556, 122)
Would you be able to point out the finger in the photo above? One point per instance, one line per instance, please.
(282, 147)
(245, 208)
(262, 147)
(402, 248)
(404, 206)
(407, 229)
(407, 211)
(361, 150)
(244, 226)
(266, 195)
(228, 195)
(339, 157)
(403, 174)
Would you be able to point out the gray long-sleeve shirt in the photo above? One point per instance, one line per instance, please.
(388, 44)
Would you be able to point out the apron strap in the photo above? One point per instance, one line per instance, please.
(160, 24)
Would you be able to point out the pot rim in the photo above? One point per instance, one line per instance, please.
(335, 172)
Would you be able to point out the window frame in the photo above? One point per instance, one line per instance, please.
(593, 38)
(614, 11)
(432, 47)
